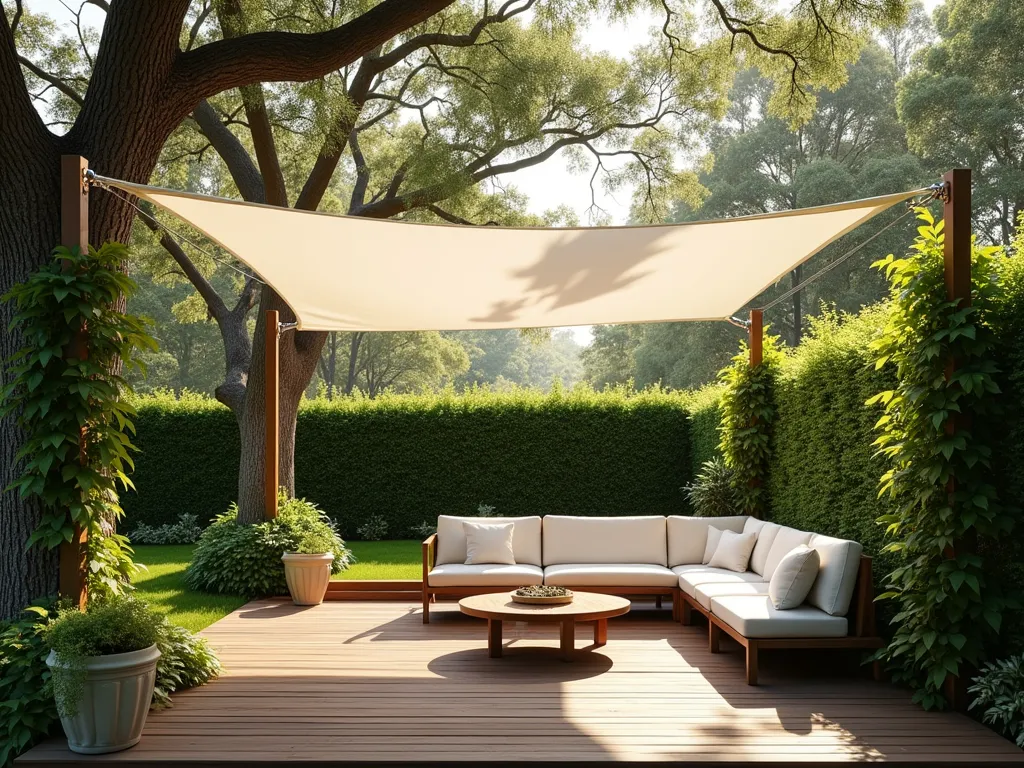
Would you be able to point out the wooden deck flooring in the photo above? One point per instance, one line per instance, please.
(367, 682)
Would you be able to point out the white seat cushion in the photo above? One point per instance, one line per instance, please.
(688, 536)
(460, 575)
(837, 574)
(451, 538)
(766, 533)
(604, 540)
(755, 616)
(785, 541)
(704, 592)
(694, 576)
(609, 575)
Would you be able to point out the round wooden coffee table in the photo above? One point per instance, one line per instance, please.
(586, 606)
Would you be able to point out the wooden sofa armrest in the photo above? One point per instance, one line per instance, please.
(429, 550)
(864, 596)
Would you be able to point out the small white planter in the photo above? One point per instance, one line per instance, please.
(115, 701)
(307, 576)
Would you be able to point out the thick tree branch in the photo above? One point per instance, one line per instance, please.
(233, 25)
(289, 56)
(19, 118)
(53, 80)
(214, 303)
(243, 170)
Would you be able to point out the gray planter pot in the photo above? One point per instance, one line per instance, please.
(307, 576)
(115, 701)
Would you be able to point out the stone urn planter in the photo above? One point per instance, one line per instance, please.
(307, 576)
(116, 696)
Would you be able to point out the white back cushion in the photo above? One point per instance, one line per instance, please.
(604, 540)
(733, 551)
(766, 533)
(688, 536)
(451, 539)
(714, 537)
(837, 574)
(786, 540)
(489, 543)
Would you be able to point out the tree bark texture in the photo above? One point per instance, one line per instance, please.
(141, 88)
(299, 357)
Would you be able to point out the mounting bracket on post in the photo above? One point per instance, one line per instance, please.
(284, 327)
(744, 324)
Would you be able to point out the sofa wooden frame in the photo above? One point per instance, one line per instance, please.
(862, 636)
(431, 594)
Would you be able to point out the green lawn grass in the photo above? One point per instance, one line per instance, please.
(401, 559)
(162, 585)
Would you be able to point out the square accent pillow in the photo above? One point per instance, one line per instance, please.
(489, 543)
(793, 578)
(714, 536)
(733, 551)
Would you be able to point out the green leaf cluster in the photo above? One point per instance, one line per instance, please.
(748, 414)
(67, 394)
(186, 660)
(939, 484)
(27, 709)
(245, 560)
(713, 492)
(999, 692)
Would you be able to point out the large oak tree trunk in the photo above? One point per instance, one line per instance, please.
(299, 357)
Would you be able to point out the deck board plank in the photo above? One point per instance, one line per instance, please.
(367, 682)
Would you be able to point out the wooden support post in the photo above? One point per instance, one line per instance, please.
(272, 417)
(956, 215)
(74, 232)
(756, 341)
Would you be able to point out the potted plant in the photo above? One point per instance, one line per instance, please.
(103, 662)
(307, 569)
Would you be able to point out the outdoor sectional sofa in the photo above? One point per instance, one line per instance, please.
(663, 557)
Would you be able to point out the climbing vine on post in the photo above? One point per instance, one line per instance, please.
(949, 607)
(72, 407)
(748, 412)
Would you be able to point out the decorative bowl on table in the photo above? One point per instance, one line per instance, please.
(542, 595)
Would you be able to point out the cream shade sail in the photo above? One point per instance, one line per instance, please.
(344, 273)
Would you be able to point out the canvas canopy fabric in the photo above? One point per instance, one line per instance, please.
(344, 273)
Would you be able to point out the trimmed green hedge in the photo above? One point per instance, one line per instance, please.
(409, 458)
(705, 420)
(824, 475)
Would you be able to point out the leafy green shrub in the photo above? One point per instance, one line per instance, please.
(186, 531)
(245, 560)
(486, 510)
(748, 413)
(410, 458)
(424, 529)
(186, 660)
(999, 689)
(713, 493)
(374, 529)
(27, 709)
(118, 624)
(939, 465)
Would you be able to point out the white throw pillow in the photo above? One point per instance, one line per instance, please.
(793, 578)
(714, 536)
(489, 543)
(733, 551)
